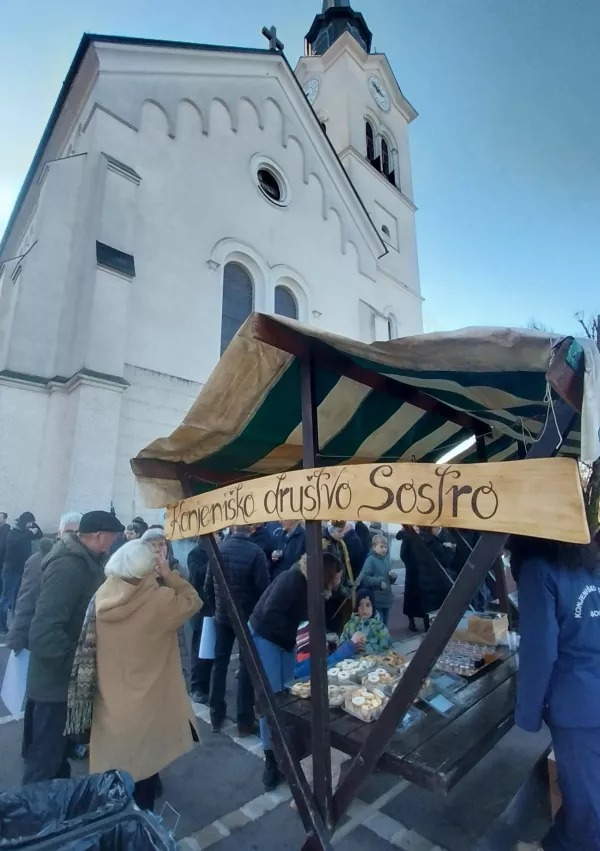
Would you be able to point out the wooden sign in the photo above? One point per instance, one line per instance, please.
(542, 498)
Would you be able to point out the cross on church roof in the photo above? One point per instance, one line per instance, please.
(274, 43)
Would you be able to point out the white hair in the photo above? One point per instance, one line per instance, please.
(71, 518)
(153, 535)
(133, 560)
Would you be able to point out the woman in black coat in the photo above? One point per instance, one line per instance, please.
(425, 585)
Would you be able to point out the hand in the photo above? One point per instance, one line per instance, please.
(276, 555)
(162, 569)
(384, 585)
(393, 576)
(358, 639)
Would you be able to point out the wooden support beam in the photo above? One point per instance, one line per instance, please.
(318, 837)
(486, 551)
(320, 739)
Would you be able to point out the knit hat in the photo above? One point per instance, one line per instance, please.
(99, 521)
(364, 594)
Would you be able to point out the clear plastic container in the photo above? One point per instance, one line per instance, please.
(366, 705)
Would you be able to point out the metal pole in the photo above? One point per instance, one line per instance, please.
(485, 552)
(319, 708)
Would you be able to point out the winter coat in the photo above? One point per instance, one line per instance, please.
(293, 546)
(263, 539)
(197, 563)
(71, 576)
(362, 530)
(339, 606)
(143, 718)
(356, 551)
(247, 573)
(282, 608)
(182, 639)
(18, 549)
(377, 570)
(18, 636)
(426, 587)
(375, 631)
(339, 549)
(345, 651)
(559, 654)
(4, 530)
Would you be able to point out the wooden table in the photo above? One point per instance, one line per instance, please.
(440, 749)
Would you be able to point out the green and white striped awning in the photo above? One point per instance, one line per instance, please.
(246, 421)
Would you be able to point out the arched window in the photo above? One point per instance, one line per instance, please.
(285, 303)
(370, 142)
(392, 327)
(238, 301)
(385, 157)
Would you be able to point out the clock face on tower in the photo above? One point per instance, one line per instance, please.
(379, 93)
(311, 90)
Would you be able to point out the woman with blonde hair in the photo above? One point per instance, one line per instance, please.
(127, 679)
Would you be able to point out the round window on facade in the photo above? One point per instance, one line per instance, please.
(270, 185)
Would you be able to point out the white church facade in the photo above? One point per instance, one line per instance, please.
(178, 187)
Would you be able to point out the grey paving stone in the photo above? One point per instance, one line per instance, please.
(459, 820)
(215, 779)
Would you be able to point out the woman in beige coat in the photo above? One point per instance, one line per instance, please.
(142, 719)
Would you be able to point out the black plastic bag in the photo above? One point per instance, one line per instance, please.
(131, 830)
(57, 807)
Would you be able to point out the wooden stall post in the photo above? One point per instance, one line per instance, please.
(487, 549)
(318, 838)
(320, 739)
(317, 833)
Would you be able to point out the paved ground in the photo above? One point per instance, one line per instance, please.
(217, 798)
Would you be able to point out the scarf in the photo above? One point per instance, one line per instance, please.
(82, 686)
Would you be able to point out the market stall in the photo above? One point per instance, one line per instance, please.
(297, 423)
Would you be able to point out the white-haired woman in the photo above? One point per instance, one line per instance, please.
(155, 538)
(142, 717)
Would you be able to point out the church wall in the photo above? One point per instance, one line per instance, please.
(41, 286)
(153, 405)
(23, 416)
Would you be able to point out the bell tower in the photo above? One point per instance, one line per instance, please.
(361, 108)
(336, 18)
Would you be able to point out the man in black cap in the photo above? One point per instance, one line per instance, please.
(71, 576)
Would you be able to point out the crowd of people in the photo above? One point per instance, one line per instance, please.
(113, 624)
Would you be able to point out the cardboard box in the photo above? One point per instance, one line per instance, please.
(482, 628)
(555, 796)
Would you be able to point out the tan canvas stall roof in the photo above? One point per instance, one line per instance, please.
(246, 421)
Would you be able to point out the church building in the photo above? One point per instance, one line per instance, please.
(177, 188)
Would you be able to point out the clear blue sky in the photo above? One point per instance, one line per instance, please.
(505, 152)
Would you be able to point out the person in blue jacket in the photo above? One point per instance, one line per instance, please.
(559, 675)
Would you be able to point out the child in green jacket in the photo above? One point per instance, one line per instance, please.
(366, 621)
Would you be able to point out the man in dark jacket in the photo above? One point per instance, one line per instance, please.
(18, 635)
(4, 530)
(71, 576)
(290, 546)
(18, 550)
(262, 537)
(197, 563)
(248, 576)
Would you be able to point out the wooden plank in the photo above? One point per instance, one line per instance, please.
(540, 497)
(403, 744)
(446, 757)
